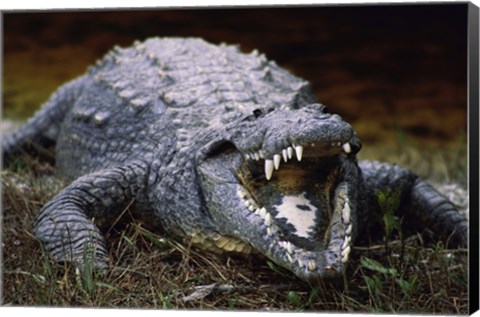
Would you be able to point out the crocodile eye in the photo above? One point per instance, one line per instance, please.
(257, 112)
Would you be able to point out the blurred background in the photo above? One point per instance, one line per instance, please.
(397, 73)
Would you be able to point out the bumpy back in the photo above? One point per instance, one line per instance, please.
(153, 98)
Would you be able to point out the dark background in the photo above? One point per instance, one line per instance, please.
(397, 73)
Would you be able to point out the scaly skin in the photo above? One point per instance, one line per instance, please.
(221, 148)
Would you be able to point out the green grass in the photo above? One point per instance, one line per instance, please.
(149, 270)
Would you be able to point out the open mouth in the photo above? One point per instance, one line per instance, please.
(285, 183)
(303, 198)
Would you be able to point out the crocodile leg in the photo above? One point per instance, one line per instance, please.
(43, 128)
(66, 225)
(421, 207)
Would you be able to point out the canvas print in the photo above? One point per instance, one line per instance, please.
(297, 158)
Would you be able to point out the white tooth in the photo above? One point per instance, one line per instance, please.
(349, 229)
(289, 258)
(338, 143)
(241, 193)
(345, 258)
(290, 152)
(247, 156)
(251, 208)
(263, 212)
(346, 147)
(346, 213)
(276, 161)
(268, 169)
(247, 203)
(256, 156)
(268, 219)
(299, 152)
(269, 231)
(285, 155)
(346, 251)
(260, 153)
(311, 265)
(345, 243)
(300, 263)
(289, 248)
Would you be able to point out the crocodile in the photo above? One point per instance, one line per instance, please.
(222, 149)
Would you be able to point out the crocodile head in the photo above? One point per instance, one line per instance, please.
(284, 181)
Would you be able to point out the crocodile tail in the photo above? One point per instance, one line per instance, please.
(42, 129)
(421, 208)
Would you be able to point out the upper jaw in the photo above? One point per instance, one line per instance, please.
(272, 162)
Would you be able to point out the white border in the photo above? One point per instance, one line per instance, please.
(19, 5)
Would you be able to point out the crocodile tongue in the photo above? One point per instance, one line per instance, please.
(299, 197)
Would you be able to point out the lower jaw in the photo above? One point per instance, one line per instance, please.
(250, 222)
(331, 253)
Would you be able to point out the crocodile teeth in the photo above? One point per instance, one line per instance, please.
(262, 212)
(346, 213)
(272, 230)
(345, 254)
(289, 247)
(256, 156)
(268, 169)
(260, 153)
(349, 229)
(311, 265)
(300, 263)
(276, 161)
(290, 152)
(269, 232)
(346, 251)
(241, 193)
(285, 155)
(346, 147)
(346, 242)
(329, 268)
(299, 152)
(268, 219)
(289, 258)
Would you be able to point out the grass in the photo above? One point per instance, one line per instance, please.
(149, 270)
